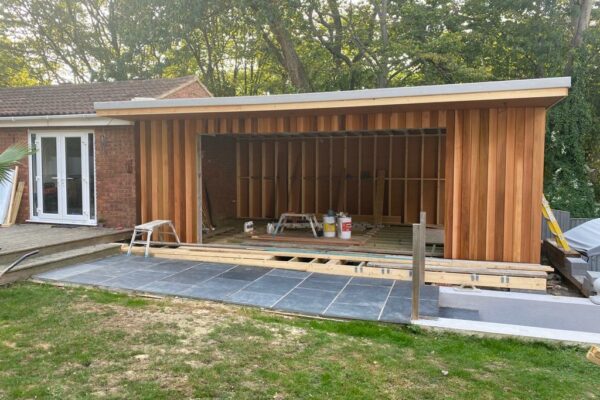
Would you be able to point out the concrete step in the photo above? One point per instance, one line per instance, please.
(8, 257)
(40, 263)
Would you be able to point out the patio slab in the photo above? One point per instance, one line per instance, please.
(278, 289)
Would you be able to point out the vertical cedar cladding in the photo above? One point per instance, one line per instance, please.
(494, 176)
(167, 158)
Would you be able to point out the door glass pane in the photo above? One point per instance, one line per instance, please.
(34, 176)
(49, 175)
(92, 176)
(73, 176)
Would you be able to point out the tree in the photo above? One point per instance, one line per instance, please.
(11, 157)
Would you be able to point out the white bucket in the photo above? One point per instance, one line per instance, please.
(328, 226)
(344, 227)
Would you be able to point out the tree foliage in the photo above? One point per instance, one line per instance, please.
(250, 47)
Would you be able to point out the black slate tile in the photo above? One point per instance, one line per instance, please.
(332, 283)
(245, 273)
(254, 298)
(405, 290)
(398, 309)
(273, 284)
(372, 281)
(215, 267)
(353, 311)
(164, 287)
(364, 295)
(192, 276)
(309, 301)
(172, 266)
(92, 278)
(288, 273)
(216, 288)
(134, 279)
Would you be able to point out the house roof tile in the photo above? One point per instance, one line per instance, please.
(79, 98)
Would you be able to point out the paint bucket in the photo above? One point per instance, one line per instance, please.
(329, 226)
(344, 227)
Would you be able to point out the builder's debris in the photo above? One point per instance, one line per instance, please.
(581, 262)
(11, 193)
(594, 355)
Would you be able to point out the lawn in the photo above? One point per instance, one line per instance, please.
(76, 343)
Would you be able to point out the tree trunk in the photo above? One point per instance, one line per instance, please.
(582, 12)
(292, 63)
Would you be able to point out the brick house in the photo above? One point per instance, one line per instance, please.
(84, 171)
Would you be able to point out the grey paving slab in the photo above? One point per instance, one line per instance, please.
(398, 309)
(245, 273)
(286, 290)
(193, 276)
(117, 269)
(172, 266)
(254, 298)
(62, 273)
(310, 301)
(404, 289)
(330, 283)
(371, 281)
(353, 311)
(93, 278)
(215, 267)
(163, 287)
(288, 273)
(216, 288)
(278, 285)
(365, 295)
(134, 279)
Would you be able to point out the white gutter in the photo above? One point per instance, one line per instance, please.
(69, 120)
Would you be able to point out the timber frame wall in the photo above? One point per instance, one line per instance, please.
(491, 176)
(386, 176)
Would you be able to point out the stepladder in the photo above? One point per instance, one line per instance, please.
(148, 229)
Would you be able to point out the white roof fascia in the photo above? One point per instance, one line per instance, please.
(70, 120)
(365, 94)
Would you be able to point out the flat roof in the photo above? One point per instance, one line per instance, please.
(552, 89)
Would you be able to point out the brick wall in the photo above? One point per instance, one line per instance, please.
(116, 176)
(8, 137)
(194, 89)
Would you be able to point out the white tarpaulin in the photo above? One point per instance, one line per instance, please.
(585, 238)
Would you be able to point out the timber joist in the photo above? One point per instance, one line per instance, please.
(437, 271)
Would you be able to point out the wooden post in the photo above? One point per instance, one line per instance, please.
(416, 275)
(199, 188)
(422, 245)
(418, 272)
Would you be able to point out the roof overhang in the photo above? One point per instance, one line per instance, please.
(532, 92)
(71, 120)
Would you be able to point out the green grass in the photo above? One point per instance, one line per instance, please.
(76, 343)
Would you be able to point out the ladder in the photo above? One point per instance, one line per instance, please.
(553, 225)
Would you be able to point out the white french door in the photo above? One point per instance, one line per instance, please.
(63, 177)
